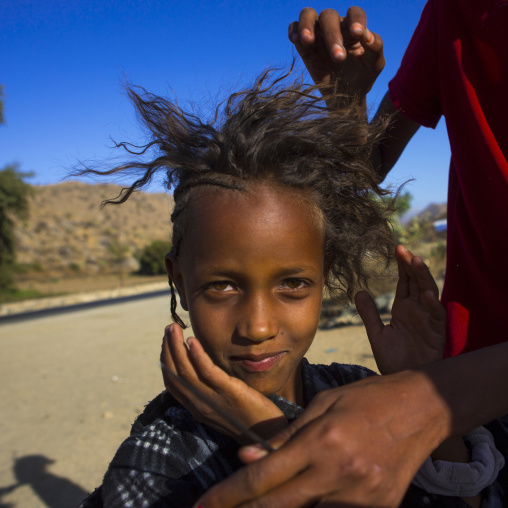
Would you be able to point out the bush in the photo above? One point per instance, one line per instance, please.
(439, 251)
(151, 258)
(14, 201)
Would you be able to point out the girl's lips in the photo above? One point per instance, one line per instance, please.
(259, 364)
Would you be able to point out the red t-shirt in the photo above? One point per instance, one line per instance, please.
(456, 65)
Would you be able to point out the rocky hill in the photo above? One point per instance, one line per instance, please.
(432, 212)
(68, 233)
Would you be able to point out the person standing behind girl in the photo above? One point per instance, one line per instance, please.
(456, 66)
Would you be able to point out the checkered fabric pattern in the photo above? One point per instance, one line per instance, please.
(170, 459)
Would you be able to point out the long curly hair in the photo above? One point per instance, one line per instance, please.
(281, 130)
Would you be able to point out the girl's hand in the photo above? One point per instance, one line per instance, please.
(338, 49)
(417, 332)
(194, 365)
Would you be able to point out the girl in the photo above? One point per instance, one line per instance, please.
(273, 204)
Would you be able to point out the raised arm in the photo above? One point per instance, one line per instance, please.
(398, 134)
(343, 51)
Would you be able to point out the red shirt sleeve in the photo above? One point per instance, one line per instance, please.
(415, 88)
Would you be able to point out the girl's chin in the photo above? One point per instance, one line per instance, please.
(267, 387)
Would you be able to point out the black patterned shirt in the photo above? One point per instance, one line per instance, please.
(170, 459)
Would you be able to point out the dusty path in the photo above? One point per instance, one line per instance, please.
(71, 385)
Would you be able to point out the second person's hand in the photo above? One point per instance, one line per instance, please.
(340, 50)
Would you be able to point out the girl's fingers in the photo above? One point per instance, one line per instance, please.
(183, 366)
(194, 364)
(166, 357)
(207, 371)
(168, 364)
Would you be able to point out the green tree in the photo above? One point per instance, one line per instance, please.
(402, 204)
(151, 258)
(14, 201)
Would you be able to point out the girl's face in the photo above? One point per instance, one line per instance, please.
(250, 273)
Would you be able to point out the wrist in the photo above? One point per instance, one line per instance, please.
(266, 429)
(452, 450)
(428, 415)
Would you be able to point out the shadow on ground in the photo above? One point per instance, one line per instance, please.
(54, 491)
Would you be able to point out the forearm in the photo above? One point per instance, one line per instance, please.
(474, 387)
(398, 134)
(399, 130)
(458, 395)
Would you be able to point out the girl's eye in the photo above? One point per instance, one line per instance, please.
(294, 284)
(221, 285)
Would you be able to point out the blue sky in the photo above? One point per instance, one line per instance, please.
(62, 65)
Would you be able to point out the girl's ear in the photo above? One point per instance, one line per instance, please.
(175, 275)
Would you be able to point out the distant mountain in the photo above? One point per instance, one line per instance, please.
(68, 232)
(433, 212)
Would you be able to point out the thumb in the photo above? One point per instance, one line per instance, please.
(252, 453)
(370, 316)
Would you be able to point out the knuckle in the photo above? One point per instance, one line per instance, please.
(332, 436)
(252, 477)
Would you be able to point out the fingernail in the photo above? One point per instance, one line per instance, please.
(169, 328)
(338, 52)
(188, 341)
(357, 29)
(256, 450)
(305, 34)
(369, 36)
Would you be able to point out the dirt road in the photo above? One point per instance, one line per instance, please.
(72, 384)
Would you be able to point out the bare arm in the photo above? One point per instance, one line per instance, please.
(342, 50)
(361, 444)
(398, 134)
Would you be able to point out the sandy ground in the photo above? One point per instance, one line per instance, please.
(72, 384)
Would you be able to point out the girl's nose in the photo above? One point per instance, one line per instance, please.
(258, 321)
